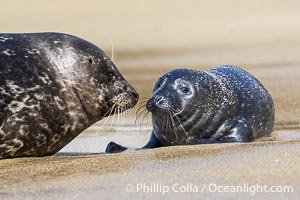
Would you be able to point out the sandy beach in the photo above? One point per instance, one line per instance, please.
(148, 39)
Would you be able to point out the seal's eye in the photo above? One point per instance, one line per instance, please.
(184, 90)
(110, 76)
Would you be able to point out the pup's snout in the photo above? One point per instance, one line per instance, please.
(157, 103)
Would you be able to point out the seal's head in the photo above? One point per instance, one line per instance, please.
(52, 87)
(96, 81)
(111, 89)
(180, 92)
(172, 92)
(181, 99)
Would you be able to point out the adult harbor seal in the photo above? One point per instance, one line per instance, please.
(223, 104)
(52, 87)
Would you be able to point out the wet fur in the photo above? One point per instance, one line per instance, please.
(52, 87)
(223, 104)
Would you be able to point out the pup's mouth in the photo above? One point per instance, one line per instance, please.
(161, 105)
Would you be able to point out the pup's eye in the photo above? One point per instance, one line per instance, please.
(184, 90)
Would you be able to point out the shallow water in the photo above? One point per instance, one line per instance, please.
(95, 139)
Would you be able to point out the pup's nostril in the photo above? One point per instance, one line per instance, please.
(159, 100)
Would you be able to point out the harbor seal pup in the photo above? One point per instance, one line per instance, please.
(52, 87)
(223, 104)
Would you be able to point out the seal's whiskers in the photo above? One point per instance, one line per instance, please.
(108, 113)
(112, 48)
(174, 127)
(141, 113)
(118, 118)
(165, 125)
(180, 124)
(114, 115)
(144, 119)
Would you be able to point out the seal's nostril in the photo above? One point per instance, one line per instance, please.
(159, 100)
(134, 94)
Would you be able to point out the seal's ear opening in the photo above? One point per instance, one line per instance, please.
(91, 60)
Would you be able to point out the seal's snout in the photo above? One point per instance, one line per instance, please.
(123, 88)
(124, 96)
(159, 100)
(158, 103)
(134, 94)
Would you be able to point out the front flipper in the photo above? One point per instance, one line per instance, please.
(113, 147)
(152, 143)
(207, 141)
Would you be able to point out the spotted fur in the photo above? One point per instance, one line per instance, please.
(223, 104)
(52, 87)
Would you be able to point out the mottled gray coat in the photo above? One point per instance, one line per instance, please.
(52, 87)
(223, 104)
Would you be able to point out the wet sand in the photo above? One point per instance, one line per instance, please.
(107, 176)
(261, 37)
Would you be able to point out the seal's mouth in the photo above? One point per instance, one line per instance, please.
(160, 104)
(123, 102)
